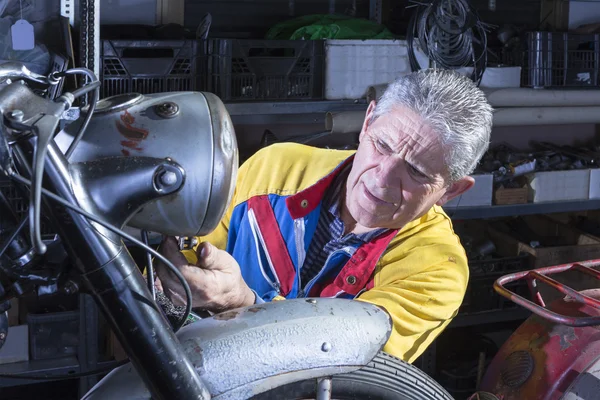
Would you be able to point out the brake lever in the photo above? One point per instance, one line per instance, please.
(14, 70)
(43, 129)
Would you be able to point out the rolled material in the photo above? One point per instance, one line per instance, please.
(352, 121)
(546, 116)
(344, 122)
(525, 97)
(374, 92)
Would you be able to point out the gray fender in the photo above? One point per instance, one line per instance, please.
(244, 352)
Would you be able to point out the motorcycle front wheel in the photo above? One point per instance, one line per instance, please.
(385, 378)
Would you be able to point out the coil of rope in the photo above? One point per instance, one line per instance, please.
(451, 35)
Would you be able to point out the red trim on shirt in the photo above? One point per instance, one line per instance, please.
(269, 228)
(305, 201)
(358, 271)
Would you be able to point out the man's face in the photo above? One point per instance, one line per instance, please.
(398, 172)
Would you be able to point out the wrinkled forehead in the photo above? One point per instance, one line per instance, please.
(414, 138)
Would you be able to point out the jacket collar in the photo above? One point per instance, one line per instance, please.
(302, 203)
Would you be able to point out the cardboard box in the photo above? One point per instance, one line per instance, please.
(114, 348)
(505, 196)
(479, 195)
(572, 245)
(559, 185)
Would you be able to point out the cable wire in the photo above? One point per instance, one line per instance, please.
(125, 235)
(149, 266)
(92, 107)
(450, 33)
(97, 371)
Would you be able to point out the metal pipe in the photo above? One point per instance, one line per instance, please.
(344, 122)
(546, 116)
(324, 389)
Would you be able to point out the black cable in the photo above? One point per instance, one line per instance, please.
(97, 371)
(125, 235)
(451, 34)
(86, 89)
(149, 266)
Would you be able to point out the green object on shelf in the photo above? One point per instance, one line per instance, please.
(316, 27)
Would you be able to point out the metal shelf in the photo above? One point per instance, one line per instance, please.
(52, 367)
(294, 107)
(521, 209)
(289, 112)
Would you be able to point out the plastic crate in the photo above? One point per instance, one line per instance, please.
(560, 60)
(480, 295)
(53, 335)
(147, 67)
(247, 69)
(352, 66)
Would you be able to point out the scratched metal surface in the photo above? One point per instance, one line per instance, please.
(244, 352)
(200, 138)
(563, 357)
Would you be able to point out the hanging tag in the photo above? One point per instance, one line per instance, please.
(22, 35)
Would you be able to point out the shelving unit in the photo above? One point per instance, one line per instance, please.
(87, 358)
(521, 209)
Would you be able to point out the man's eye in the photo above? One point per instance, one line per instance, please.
(416, 172)
(383, 147)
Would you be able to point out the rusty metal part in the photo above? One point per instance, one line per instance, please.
(541, 275)
(518, 367)
(562, 355)
(167, 109)
(187, 243)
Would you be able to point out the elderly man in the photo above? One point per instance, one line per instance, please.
(308, 222)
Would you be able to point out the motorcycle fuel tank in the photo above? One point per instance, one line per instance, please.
(192, 128)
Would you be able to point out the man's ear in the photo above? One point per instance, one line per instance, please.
(368, 118)
(456, 189)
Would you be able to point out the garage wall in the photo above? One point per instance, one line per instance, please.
(583, 12)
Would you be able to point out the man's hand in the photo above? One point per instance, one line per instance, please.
(215, 281)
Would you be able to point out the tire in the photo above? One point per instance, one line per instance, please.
(384, 378)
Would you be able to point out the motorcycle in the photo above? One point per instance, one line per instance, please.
(166, 163)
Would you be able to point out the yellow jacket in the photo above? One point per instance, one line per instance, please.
(418, 274)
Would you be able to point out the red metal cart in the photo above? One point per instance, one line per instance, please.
(555, 354)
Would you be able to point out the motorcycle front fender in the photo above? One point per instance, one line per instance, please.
(247, 351)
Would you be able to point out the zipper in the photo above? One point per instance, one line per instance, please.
(313, 280)
(299, 232)
(259, 238)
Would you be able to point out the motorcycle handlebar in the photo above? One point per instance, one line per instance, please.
(16, 70)
(107, 269)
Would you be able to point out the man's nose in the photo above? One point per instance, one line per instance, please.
(389, 174)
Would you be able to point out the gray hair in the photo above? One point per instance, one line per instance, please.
(453, 106)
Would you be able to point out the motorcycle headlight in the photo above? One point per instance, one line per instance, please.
(194, 129)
